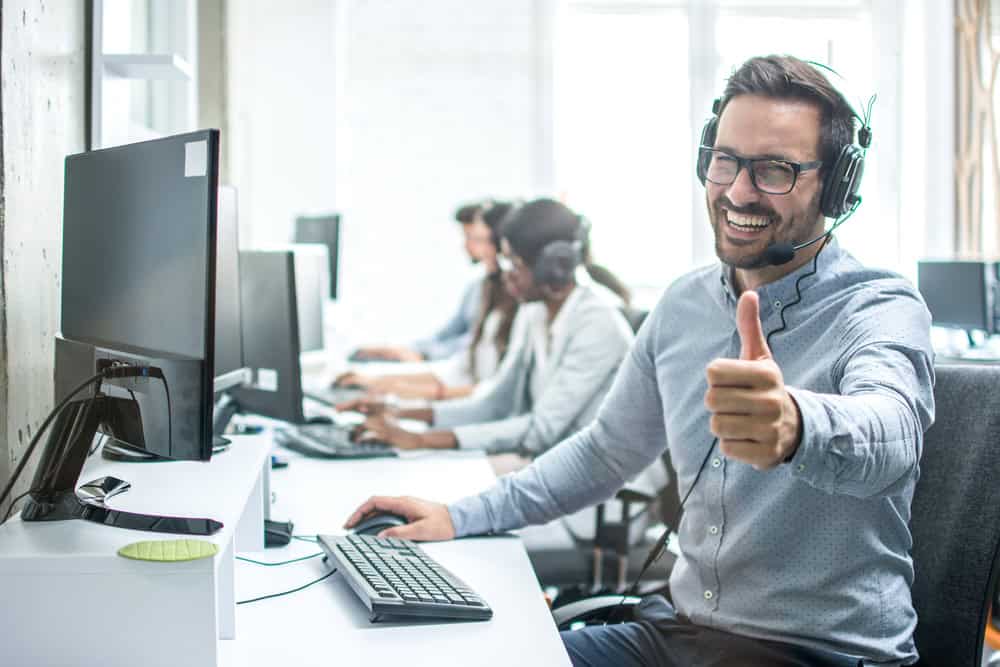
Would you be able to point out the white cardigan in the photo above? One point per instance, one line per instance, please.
(590, 338)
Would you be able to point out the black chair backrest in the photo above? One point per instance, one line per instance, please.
(635, 317)
(956, 517)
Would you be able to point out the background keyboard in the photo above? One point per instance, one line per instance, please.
(330, 441)
(395, 577)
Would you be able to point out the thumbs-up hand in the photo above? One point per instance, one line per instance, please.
(755, 419)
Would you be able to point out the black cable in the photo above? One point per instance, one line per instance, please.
(10, 508)
(94, 379)
(294, 590)
(100, 441)
(657, 550)
(283, 562)
(798, 283)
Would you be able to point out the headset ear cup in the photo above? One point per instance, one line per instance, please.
(557, 263)
(840, 186)
(707, 139)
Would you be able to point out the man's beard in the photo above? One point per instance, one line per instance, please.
(760, 260)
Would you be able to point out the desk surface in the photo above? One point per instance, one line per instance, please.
(327, 624)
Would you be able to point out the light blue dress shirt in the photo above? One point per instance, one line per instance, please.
(816, 551)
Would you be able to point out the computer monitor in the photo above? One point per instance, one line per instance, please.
(323, 229)
(270, 336)
(229, 369)
(312, 291)
(959, 294)
(138, 291)
(139, 283)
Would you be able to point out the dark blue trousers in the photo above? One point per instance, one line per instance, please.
(658, 637)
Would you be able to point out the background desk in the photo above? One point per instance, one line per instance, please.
(327, 624)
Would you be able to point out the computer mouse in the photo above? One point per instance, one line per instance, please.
(320, 419)
(377, 522)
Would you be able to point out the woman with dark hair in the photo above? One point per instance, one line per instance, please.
(459, 375)
(566, 345)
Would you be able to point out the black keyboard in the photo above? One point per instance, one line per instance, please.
(395, 577)
(329, 441)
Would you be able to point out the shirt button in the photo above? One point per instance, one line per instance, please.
(714, 530)
(716, 462)
(709, 595)
(802, 467)
(777, 304)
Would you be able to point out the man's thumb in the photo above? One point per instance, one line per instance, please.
(753, 345)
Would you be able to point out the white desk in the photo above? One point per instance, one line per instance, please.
(327, 624)
(69, 599)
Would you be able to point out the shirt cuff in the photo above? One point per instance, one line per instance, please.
(469, 516)
(810, 463)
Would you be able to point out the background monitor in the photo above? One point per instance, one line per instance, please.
(139, 244)
(312, 291)
(323, 229)
(959, 294)
(270, 336)
(229, 369)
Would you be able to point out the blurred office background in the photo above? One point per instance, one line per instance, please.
(393, 112)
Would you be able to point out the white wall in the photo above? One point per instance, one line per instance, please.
(42, 116)
(409, 109)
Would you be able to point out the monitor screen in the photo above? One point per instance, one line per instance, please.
(959, 294)
(270, 336)
(228, 334)
(139, 239)
(323, 229)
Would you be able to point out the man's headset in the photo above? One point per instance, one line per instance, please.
(557, 262)
(841, 181)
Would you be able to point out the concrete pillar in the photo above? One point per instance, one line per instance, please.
(42, 119)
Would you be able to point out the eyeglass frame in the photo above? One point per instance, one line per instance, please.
(748, 162)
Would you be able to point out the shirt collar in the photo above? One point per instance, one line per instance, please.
(775, 294)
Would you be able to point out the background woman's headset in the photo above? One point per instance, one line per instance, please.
(558, 260)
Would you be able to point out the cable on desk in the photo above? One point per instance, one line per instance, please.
(10, 508)
(283, 562)
(311, 539)
(294, 590)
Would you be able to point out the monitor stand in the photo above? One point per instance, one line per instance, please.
(116, 450)
(54, 497)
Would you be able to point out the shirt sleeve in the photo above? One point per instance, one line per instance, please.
(866, 440)
(596, 348)
(456, 334)
(627, 435)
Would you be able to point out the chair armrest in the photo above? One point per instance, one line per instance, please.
(591, 609)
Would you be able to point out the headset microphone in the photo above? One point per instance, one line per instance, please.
(777, 254)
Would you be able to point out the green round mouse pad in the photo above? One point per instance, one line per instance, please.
(169, 551)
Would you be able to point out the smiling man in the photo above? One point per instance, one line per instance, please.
(792, 389)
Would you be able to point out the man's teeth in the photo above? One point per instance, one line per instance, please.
(747, 221)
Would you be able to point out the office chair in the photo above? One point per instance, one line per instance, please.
(579, 567)
(955, 523)
(634, 316)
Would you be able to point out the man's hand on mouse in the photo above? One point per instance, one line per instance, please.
(428, 521)
(755, 418)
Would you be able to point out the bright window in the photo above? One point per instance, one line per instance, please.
(634, 85)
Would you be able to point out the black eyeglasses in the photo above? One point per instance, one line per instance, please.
(773, 177)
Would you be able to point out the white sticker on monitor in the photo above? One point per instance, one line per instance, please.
(267, 379)
(195, 158)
